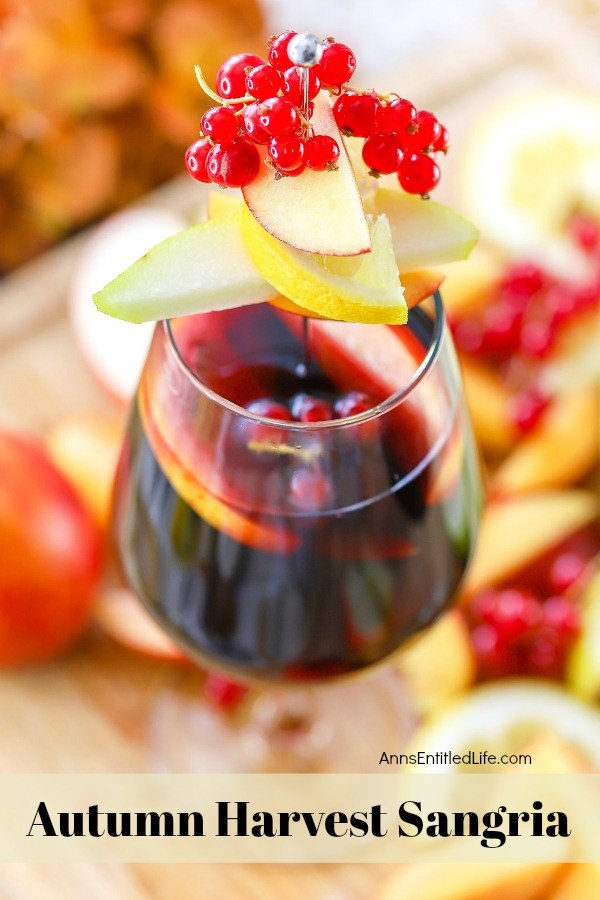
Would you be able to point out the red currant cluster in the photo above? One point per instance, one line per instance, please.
(519, 328)
(529, 629)
(399, 138)
(262, 105)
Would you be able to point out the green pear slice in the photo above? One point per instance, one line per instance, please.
(201, 269)
(424, 232)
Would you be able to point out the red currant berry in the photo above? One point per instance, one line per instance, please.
(585, 232)
(220, 124)
(546, 655)
(418, 173)
(523, 279)
(278, 50)
(311, 409)
(355, 113)
(252, 126)
(441, 143)
(287, 152)
(422, 133)
(292, 85)
(223, 692)
(536, 338)
(269, 409)
(382, 153)
(352, 404)
(395, 116)
(233, 165)
(563, 617)
(321, 152)
(195, 160)
(231, 77)
(493, 657)
(588, 295)
(501, 329)
(468, 335)
(278, 116)
(566, 570)
(526, 408)
(513, 613)
(263, 82)
(337, 65)
(310, 489)
(560, 302)
(292, 173)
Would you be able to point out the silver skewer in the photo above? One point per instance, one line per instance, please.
(305, 51)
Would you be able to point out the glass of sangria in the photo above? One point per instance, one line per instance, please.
(296, 497)
(299, 492)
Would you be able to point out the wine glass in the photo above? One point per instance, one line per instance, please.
(295, 500)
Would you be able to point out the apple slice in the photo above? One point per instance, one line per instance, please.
(253, 532)
(381, 360)
(515, 532)
(205, 267)
(115, 351)
(559, 451)
(121, 615)
(472, 881)
(582, 881)
(488, 401)
(468, 283)
(438, 663)
(318, 212)
(423, 233)
(85, 448)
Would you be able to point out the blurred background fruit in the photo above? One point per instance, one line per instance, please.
(97, 103)
(50, 556)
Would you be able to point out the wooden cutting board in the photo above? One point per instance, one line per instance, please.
(93, 710)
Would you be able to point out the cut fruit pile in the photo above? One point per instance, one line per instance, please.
(525, 313)
(308, 237)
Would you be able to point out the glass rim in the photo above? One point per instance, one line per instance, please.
(380, 409)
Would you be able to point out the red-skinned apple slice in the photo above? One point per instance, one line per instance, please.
(218, 514)
(318, 212)
(515, 532)
(380, 360)
(113, 350)
(121, 615)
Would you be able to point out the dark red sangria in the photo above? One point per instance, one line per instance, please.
(297, 497)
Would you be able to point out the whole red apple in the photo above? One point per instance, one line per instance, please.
(50, 556)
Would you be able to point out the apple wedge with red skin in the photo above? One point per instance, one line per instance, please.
(247, 530)
(379, 360)
(318, 212)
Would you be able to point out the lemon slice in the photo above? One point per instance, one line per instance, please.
(506, 717)
(363, 288)
(526, 165)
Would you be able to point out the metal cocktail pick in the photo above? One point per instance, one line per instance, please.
(305, 51)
